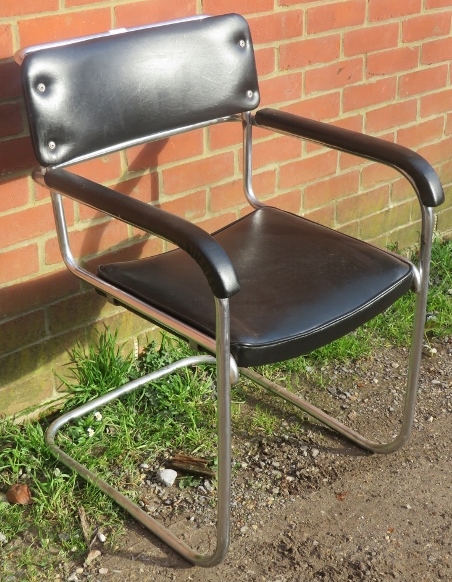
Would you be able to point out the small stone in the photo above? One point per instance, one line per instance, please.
(79, 571)
(3, 538)
(144, 466)
(101, 537)
(315, 453)
(103, 570)
(166, 476)
(73, 578)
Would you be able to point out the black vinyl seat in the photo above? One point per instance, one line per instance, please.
(330, 285)
(268, 287)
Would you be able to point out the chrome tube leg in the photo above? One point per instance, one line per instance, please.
(224, 446)
(413, 366)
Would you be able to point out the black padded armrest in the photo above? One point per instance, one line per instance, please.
(414, 167)
(200, 245)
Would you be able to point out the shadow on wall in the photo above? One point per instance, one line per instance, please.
(42, 318)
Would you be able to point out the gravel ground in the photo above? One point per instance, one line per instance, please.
(306, 504)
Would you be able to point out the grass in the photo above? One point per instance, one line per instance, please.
(176, 414)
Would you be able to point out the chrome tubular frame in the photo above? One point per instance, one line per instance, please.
(222, 361)
(420, 287)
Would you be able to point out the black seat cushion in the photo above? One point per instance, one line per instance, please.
(302, 285)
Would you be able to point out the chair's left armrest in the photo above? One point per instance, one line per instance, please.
(199, 244)
(414, 167)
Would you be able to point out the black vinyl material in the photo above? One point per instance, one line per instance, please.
(104, 92)
(302, 285)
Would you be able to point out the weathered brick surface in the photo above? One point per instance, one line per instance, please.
(379, 66)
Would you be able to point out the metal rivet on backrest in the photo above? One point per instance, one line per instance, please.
(242, 43)
(52, 145)
(41, 87)
(249, 94)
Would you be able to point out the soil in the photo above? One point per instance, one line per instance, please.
(308, 505)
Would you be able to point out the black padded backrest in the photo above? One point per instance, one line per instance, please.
(105, 93)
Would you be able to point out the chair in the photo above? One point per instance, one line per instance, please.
(268, 287)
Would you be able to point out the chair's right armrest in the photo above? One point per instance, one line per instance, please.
(414, 167)
(200, 245)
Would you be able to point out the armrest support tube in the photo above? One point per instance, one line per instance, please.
(200, 245)
(414, 167)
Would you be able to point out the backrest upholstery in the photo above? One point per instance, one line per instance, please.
(108, 92)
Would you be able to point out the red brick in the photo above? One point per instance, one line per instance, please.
(144, 188)
(239, 6)
(265, 61)
(100, 169)
(275, 27)
(292, 2)
(448, 128)
(200, 173)
(392, 61)
(347, 161)
(13, 193)
(370, 93)
(229, 195)
(10, 119)
(286, 87)
(334, 76)
(19, 263)
(37, 292)
(445, 172)
(307, 170)
(139, 13)
(16, 154)
(320, 108)
(224, 135)
(355, 207)
(436, 51)
(438, 152)
(275, 150)
(216, 222)
(25, 225)
(325, 215)
(371, 38)
(426, 80)
(334, 188)
(289, 201)
(71, 3)
(425, 26)
(387, 9)
(437, 4)
(165, 151)
(375, 173)
(295, 55)
(11, 85)
(334, 16)
(6, 40)
(14, 8)
(63, 26)
(436, 103)
(95, 239)
(401, 190)
(390, 116)
(420, 133)
(190, 206)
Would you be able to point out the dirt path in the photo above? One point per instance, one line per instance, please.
(335, 513)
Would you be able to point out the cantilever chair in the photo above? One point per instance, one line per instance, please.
(268, 287)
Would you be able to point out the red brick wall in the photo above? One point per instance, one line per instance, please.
(377, 66)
